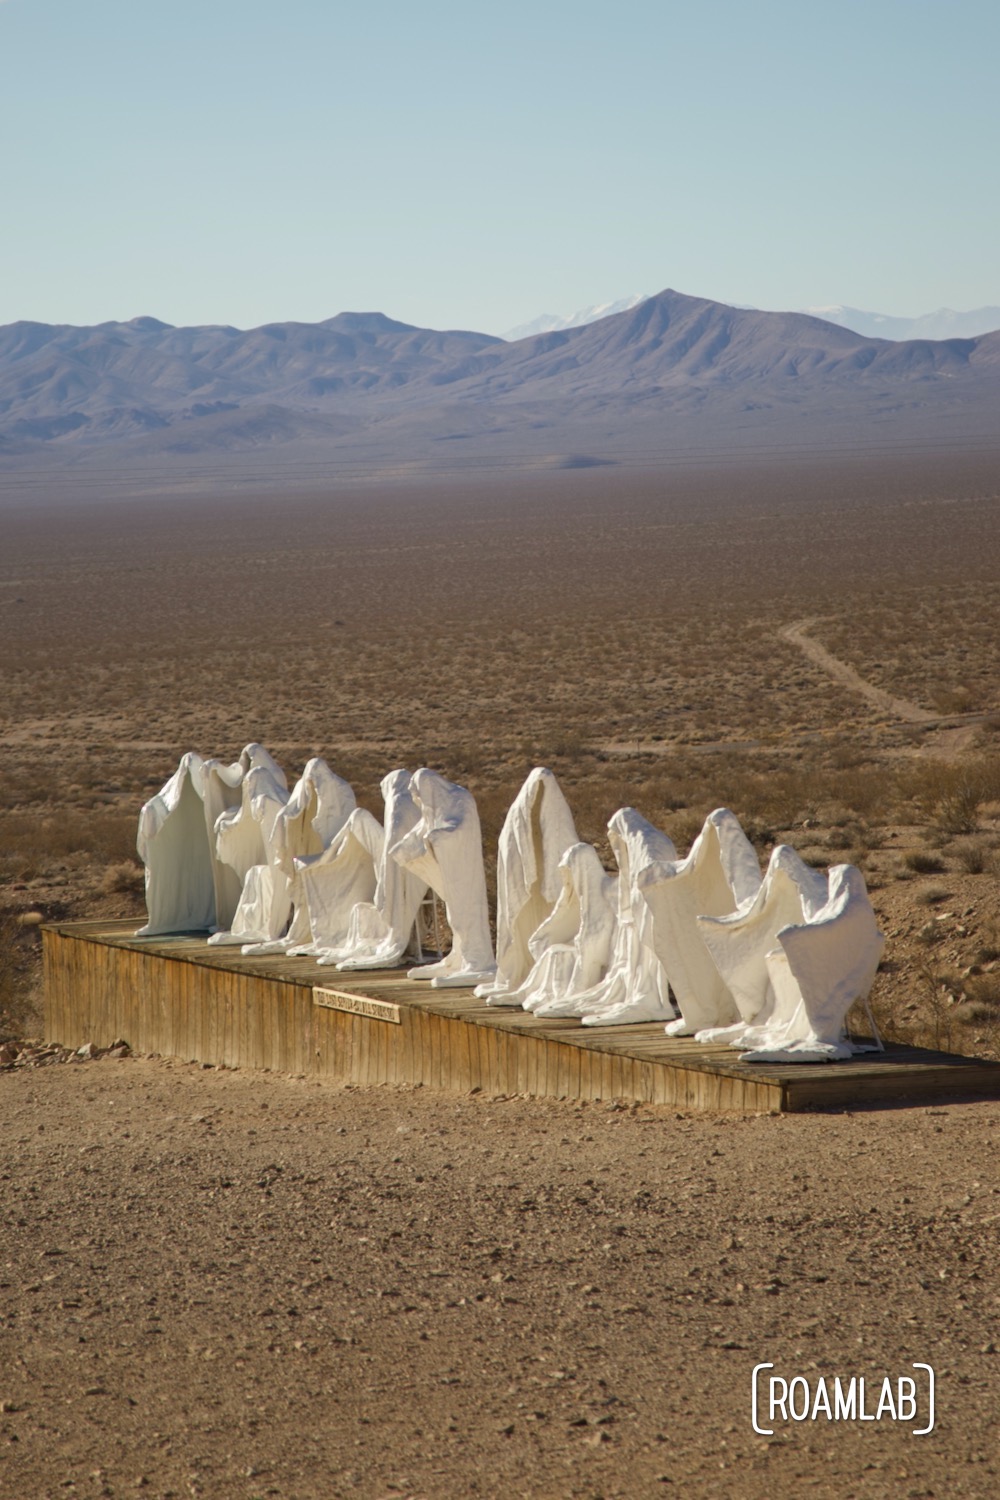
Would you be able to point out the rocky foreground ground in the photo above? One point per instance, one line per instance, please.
(240, 1285)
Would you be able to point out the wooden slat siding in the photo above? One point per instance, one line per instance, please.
(177, 996)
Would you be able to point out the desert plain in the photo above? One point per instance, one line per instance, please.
(242, 1285)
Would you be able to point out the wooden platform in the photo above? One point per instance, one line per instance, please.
(178, 997)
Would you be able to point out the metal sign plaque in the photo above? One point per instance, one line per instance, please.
(357, 1005)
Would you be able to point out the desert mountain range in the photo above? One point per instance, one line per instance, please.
(674, 374)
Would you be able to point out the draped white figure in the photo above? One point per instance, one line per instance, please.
(188, 888)
(333, 883)
(381, 930)
(791, 893)
(536, 833)
(719, 874)
(244, 842)
(634, 986)
(316, 811)
(572, 947)
(445, 849)
(816, 969)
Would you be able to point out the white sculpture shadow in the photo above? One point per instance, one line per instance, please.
(572, 947)
(310, 820)
(445, 850)
(244, 843)
(720, 872)
(634, 988)
(791, 893)
(381, 930)
(536, 833)
(816, 969)
(188, 888)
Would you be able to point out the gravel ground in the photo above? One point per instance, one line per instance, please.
(237, 1285)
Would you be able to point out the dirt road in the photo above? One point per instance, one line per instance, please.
(900, 708)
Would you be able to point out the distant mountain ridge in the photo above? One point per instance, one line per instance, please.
(671, 372)
(942, 324)
(552, 322)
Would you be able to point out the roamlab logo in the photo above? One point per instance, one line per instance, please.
(907, 1399)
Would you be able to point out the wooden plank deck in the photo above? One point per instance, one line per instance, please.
(178, 997)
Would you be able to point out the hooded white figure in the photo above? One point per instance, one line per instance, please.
(634, 988)
(188, 888)
(816, 970)
(314, 814)
(718, 875)
(537, 831)
(572, 947)
(244, 841)
(381, 930)
(445, 849)
(791, 893)
(333, 883)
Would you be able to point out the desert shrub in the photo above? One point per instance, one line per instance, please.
(957, 699)
(922, 863)
(127, 875)
(973, 856)
(951, 793)
(932, 895)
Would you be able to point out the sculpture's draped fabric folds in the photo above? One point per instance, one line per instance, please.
(634, 988)
(572, 947)
(718, 875)
(791, 893)
(333, 883)
(380, 930)
(817, 970)
(244, 843)
(310, 820)
(537, 831)
(188, 887)
(445, 850)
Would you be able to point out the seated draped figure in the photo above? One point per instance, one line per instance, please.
(536, 833)
(188, 887)
(572, 947)
(795, 958)
(634, 987)
(445, 849)
(316, 811)
(380, 931)
(720, 872)
(244, 841)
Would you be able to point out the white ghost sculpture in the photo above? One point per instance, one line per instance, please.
(310, 820)
(536, 833)
(244, 842)
(791, 893)
(445, 849)
(188, 888)
(381, 930)
(572, 947)
(634, 988)
(333, 883)
(817, 969)
(718, 875)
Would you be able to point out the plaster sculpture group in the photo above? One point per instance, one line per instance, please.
(706, 945)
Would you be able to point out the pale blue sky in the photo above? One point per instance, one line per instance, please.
(465, 165)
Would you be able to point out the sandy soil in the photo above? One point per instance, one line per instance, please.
(239, 1285)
